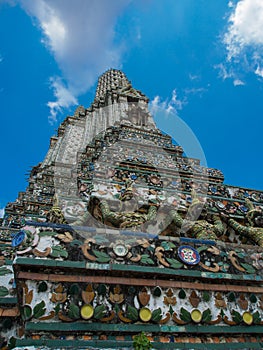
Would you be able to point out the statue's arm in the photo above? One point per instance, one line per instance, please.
(238, 227)
(176, 218)
(218, 225)
(151, 213)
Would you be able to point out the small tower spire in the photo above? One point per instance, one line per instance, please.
(113, 86)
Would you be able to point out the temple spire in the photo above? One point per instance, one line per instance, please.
(113, 86)
(111, 80)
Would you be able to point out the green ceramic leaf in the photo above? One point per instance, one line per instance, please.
(171, 310)
(206, 296)
(185, 315)
(12, 343)
(76, 242)
(3, 291)
(39, 306)
(58, 251)
(116, 308)
(256, 318)
(236, 316)
(102, 289)
(74, 289)
(156, 315)
(150, 261)
(101, 256)
(54, 253)
(99, 311)
(132, 313)
(26, 312)
(4, 271)
(182, 294)
(57, 308)
(241, 255)
(167, 245)
(7, 323)
(157, 292)
(145, 259)
(39, 309)
(63, 253)
(42, 287)
(231, 297)
(249, 268)
(253, 299)
(40, 313)
(73, 311)
(171, 245)
(175, 264)
(207, 316)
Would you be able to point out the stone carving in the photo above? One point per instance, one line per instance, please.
(55, 214)
(124, 219)
(254, 218)
(210, 228)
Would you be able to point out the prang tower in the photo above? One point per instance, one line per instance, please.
(120, 239)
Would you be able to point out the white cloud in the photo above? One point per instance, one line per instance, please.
(2, 212)
(172, 104)
(81, 36)
(259, 72)
(238, 82)
(246, 27)
(194, 77)
(244, 39)
(64, 98)
(224, 73)
(155, 104)
(196, 91)
(175, 103)
(227, 72)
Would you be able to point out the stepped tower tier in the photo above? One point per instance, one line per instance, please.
(119, 233)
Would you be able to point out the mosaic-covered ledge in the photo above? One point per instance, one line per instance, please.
(106, 247)
(109, 304)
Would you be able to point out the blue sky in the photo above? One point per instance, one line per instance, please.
(202, 59)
